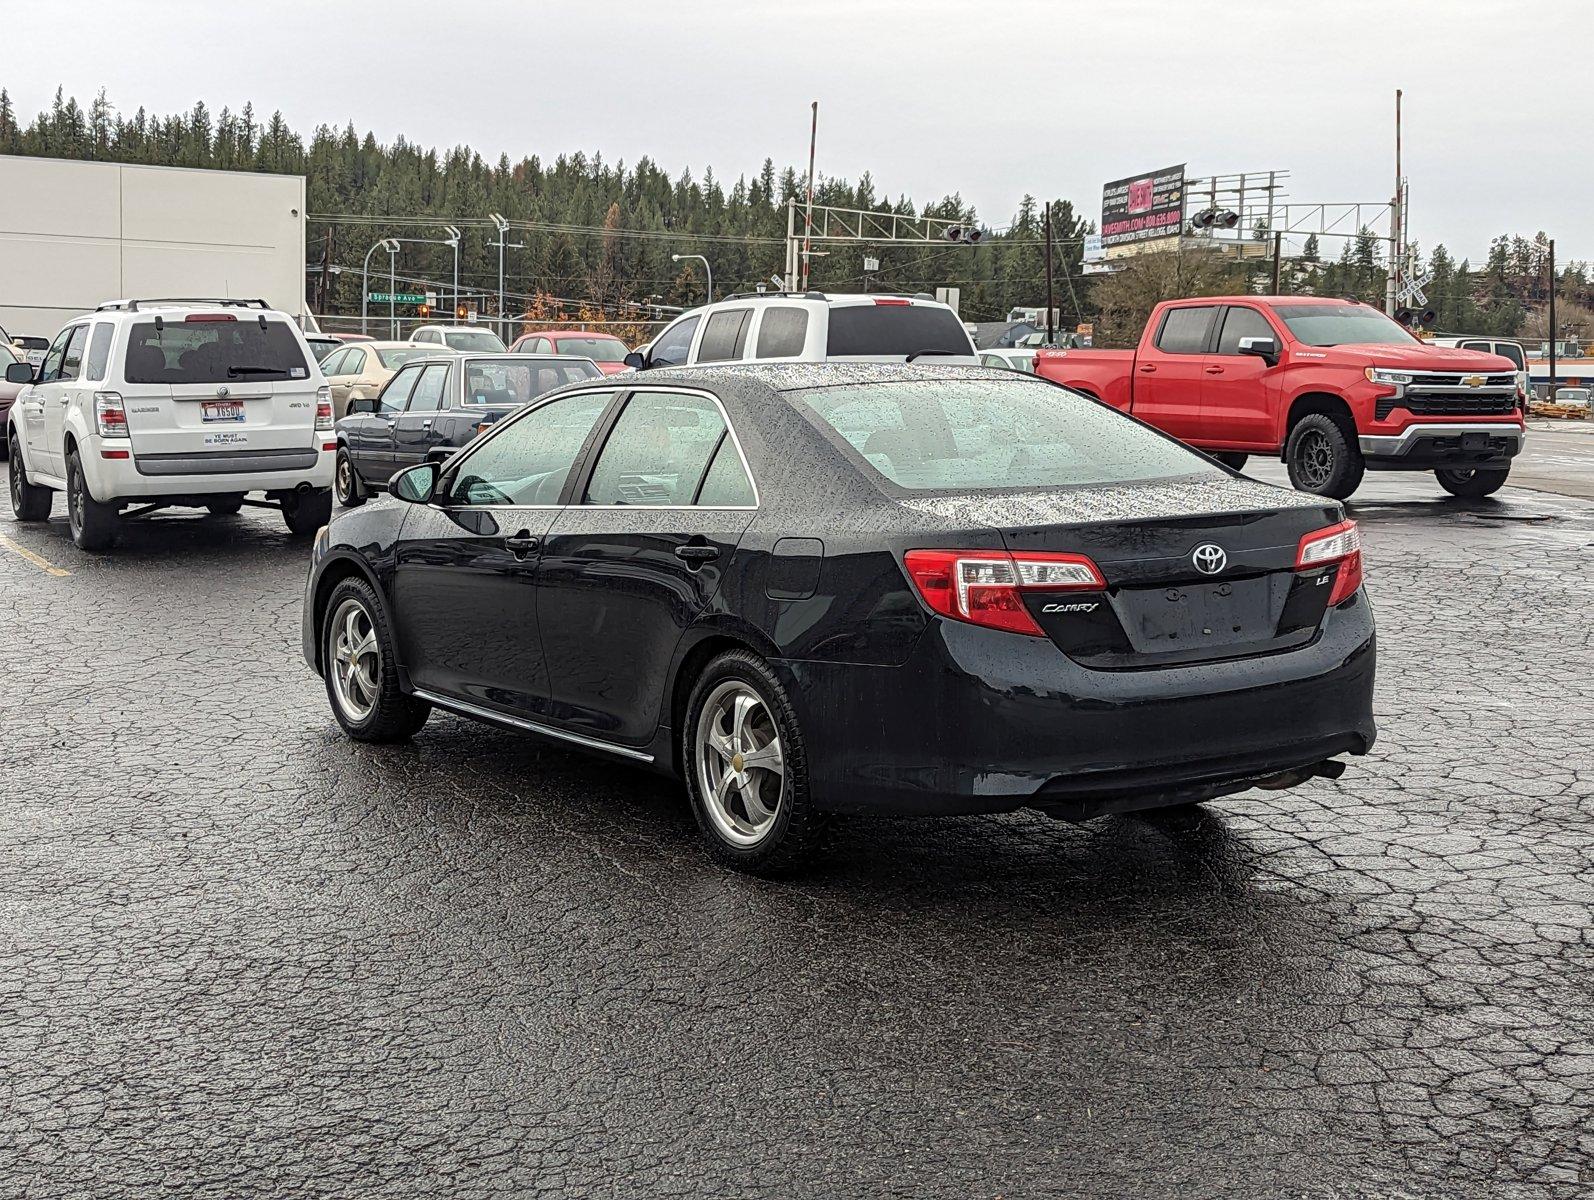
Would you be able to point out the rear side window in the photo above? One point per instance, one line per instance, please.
(898, 330)
(674, 343)
(99, 351)
(783, 332)
(214, 351)
(982, 434)
(1242, 323)
(725, 485)
(1185, 330)
(658, 452)
(725, 335)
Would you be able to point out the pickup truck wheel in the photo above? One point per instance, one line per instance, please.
(345, 483)
(1322, 459)
(93, 525)
(1235, 462)
(28, 502)
(305, 512)
(1472, 483)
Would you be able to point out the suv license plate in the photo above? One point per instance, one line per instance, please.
(222, 410)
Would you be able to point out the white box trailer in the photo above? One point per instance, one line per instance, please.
(76, 234)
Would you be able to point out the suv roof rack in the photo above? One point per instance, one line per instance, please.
(150, 301)
(811, 294)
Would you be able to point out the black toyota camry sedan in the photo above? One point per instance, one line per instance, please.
(818, 588)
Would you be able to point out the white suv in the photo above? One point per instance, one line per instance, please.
(811, 327)
(459, 337)
(150, 403)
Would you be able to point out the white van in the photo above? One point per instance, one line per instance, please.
(811, 327)
(148, 404)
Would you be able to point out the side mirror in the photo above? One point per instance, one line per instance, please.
(636, 360)
(415, 484)
(1265, 348)
(362, 404)
(19, 372)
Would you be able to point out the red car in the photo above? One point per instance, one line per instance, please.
(1333, 387)
(604, 349)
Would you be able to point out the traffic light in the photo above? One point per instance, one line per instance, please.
(460, 312)
(423, 311)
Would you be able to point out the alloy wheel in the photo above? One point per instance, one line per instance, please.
(74, 498)
(740, 767)
(356, 661)
(16, 477)
(345, 480)
(1314, 458)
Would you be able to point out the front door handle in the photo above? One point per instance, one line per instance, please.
(1214, 370)
(696, 555)
(522, 544)
(1147, 368)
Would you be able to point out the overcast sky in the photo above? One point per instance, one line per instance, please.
(991, 100)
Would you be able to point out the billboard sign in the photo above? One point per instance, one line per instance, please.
(1143, 207)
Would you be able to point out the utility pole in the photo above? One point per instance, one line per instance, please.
(326, 267)
(1396, 247)
(1551, 393)
(808, 215)
(1278, 257)
(1051, 338)
(453, 240)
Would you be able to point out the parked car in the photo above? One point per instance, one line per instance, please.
(463, 338)
(1011, 360)
(1333, 387)
(809, 589)
(8, 391)
(434, 405)
(1504, 347)
(810, 327)
(361, 371)
(346, 338)
(1573, 397)
(321, 345)
(604, 349)
(163, 403)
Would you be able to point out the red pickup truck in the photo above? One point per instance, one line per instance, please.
(1333, 387)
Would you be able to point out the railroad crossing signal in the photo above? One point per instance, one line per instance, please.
(1411, 289)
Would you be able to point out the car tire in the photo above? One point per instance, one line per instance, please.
(756, 815)
(94, 525)
(1472, 483)
(305, 512)
(1322, 459)
(225, 506)
(346, 481)
(28, 502)
(1235, 462)
(360, 668)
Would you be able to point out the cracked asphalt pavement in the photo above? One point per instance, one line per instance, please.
(241, 955)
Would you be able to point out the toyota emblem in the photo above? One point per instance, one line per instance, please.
(1209, 559)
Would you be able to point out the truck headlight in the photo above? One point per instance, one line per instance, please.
(1393, 379)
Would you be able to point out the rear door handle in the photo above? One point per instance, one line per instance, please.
(697, 554)
(522, 544)
(426, 424)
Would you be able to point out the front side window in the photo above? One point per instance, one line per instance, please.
(398, 389)
(658, 452)
(984, 434)
(783, 332)
(1242, 323)
(528, 460)
(674, 344)
(99, 351)
(214, 349)
(724, 335)
(1341, 325)
(52, 361)
(1185, 330)
(428, 393)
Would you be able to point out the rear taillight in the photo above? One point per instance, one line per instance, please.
(986, 587)
(891, 301)
(1341, 544)
(109, 415)
(208, 318)
(323, 408)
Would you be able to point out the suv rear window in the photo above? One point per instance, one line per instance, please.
(896, 329)
(212, 351)
(980, 435)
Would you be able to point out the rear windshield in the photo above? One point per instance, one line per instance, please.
(978, 435)
(598, 349)
(213, 351)
(517, 380)
(896, 329)
(1341, 325)
(394, 359)
(473, 339)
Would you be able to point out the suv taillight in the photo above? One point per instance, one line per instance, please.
(323, 407)
(1341, 544)
(109, 415)
(986, 587)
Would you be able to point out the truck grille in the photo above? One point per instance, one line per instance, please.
(1443, 394)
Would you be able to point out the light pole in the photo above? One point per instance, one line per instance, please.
(503, 229)
(391, 246)
(453, 240)
(708, 270)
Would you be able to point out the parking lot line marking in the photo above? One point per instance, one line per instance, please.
(45, 565)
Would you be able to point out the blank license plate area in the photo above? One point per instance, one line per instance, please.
(221, 410)
(1191, 616)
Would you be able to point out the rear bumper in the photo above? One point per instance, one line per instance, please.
(132, 478)
(983, 721)
(1446, 444)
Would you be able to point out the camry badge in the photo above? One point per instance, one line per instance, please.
(1472, 380)
(1209, 559)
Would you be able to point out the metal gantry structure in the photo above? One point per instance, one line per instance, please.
(827, 224)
